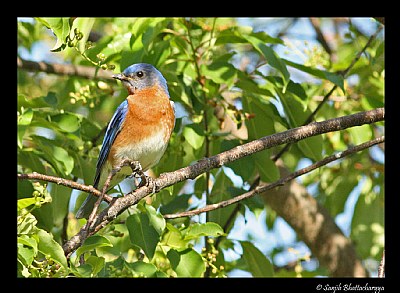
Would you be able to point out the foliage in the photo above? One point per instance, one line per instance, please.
(212, 66)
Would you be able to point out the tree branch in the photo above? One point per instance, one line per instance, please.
(64, 182)
(64, 69)
(265, 187)
(315, 22)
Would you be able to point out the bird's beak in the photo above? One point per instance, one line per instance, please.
(120, 76)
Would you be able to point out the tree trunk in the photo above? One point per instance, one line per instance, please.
(315, 227)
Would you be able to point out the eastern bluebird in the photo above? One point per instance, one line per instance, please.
(139, 130)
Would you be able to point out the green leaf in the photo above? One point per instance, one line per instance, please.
(261, 124)
(55, 155)
(142, 233)
(83, 271)
(48, 246)
(262, 118)
(173, 237)
(28, 241)
(186, 263)
(25, 118)
(237, 35)
(97, 264)
(222, 190)
(360, 134)
(266, 38)
(84, 24)
(28, 158)
(91, 243)
(367, 226)
(230, 35)
(60, 26)
(68, 122)
(250, 86)
(38, 102)
(25, 202)
(220, 70)
(60, 203)
(296, 116)
(266, 167)
(51, 99)
(336, 79)
(258, 264)
(25, 254)
(26, 224)
(178, 204)
(244, 167)
(155, 218)
(190, 132)
(143, 269)
(272, 58)
(206, 229)
(62, 156)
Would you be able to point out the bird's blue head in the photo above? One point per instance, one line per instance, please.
(140, 76)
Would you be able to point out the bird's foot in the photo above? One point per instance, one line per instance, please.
(147, 181)
(137, 172)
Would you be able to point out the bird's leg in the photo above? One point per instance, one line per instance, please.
(137, 172)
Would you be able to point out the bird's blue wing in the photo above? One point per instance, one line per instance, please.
(113, 129)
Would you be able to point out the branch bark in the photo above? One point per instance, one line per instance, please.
(65, 182)
(64, 69)
(315, 22)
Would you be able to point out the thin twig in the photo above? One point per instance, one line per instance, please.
(64, 182)
(264, 187)
(315, 22)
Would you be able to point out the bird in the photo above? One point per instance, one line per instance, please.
(139, 130)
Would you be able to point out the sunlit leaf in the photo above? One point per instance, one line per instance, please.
(193, 138)
(186, 263)
(92, 243)
(48, 246)
(206, 229)
(335, 78)
(60, 26)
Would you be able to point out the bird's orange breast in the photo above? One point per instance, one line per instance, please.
(149, 114)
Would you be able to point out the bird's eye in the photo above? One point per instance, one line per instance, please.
(140, 73)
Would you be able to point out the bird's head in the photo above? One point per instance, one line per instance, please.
(141, 76)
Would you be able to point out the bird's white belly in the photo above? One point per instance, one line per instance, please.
(148, 152)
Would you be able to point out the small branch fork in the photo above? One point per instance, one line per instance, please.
(118, 205)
